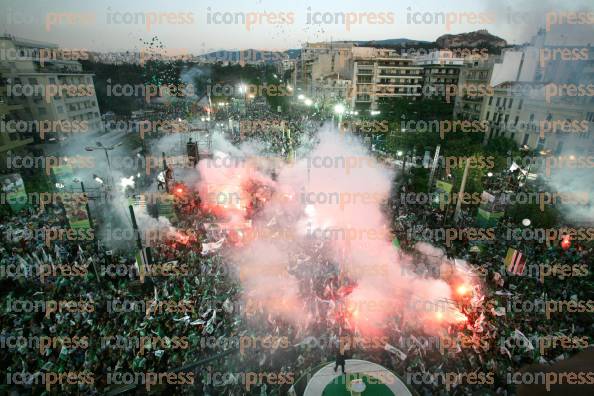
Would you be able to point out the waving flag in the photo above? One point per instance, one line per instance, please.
(515, 262)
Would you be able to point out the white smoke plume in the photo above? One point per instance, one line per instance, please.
(332, 198)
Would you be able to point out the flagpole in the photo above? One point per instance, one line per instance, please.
(91, 224)
(461, 192)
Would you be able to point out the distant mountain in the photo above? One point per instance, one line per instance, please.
(480, 38)
(393, 42)
(293, 53)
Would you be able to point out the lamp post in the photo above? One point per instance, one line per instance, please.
(339, 109)
(106, 149)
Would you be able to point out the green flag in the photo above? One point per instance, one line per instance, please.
(396, 243)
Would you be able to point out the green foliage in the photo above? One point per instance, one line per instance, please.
(397, 109)
(109, 75)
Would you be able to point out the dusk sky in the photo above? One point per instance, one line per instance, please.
(89, 28)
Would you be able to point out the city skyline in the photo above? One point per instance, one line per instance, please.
(202, 28)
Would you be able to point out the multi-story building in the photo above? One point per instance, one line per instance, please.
(11, 139)
(474, 75)
(383, 73)
(319, 60)
(504, 110)
(522, 107)
(330, 89)
(440, 70)
(31, 68)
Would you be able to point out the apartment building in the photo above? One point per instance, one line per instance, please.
(521, 109)
(30, 67)
(383, 73)
(440, 70)
(320, 60)
(475, 74)
(11, 140)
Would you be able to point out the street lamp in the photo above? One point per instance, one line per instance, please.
(106, 149)
(339, 109)
(100, 146)
(308, 102)
(301, 97)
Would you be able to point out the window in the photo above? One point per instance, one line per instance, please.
(516, 120)
(521, 103)
(60, 109)
(41, 111)
(488, 114)
(525, 141)
(490, 101)
(497, 103)
(510, 103)
(32, 81)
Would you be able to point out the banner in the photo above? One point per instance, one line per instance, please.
(165, 207)
(76, 211)
(515, 262)
(490, 210)
(442, 194)
(75, 205)
(484, 218)
(63, 175)
(13, 190)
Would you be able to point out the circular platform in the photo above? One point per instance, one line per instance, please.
(378, 381)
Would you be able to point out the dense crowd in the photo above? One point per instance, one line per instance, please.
(213, 291)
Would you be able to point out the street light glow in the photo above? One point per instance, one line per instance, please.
(339, 109)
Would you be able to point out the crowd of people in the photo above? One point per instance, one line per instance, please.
(141, 337)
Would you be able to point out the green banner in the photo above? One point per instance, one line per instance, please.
(76, 210)
(443, 186)
(165, 206)
(74, 204)
(443, 191)
(63, 175)
(485, 218)
(14, 191)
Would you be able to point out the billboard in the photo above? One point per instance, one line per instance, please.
(13, 190)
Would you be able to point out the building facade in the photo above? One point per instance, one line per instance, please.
(475, 74)
(441, 69)
(383, 73)
(49, 89)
